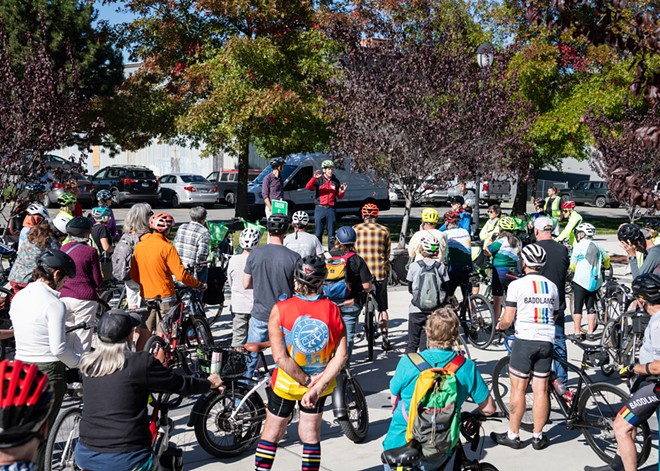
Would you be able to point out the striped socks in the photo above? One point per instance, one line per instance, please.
(311, 457)
(265, 455)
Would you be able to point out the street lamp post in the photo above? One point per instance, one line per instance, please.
(485, 58)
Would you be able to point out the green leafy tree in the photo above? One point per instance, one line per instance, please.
(227, 74)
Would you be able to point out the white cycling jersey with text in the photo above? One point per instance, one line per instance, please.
(536, 300)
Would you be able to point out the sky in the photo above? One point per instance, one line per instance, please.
(109, 13)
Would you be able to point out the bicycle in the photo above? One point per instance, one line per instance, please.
(183, 333)
(476, 315)
(405, 458)
(622, 339)
(591, 410)
(229, 423)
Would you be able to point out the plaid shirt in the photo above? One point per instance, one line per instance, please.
(373, 245)
(192, 242)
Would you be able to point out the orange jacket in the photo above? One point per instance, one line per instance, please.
(155, 260)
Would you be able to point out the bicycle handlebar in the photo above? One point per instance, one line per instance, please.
(82, 325)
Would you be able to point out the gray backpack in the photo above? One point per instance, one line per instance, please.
(123, 255)
(427, 291)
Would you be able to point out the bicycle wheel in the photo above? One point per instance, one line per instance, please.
(597, 409)
(159, 349)
(502, 393)
(369, 327)
(356, 425)
(62, 441)
(480, 318)
(221, 435)
(461, 348)
(487, 467)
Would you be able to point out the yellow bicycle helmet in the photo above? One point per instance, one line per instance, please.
(507, 223)
(430, 216)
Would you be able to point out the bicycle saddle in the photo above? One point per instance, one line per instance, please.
(256, 347)
(406, 455)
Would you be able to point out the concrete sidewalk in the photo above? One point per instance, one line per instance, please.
(567, 451)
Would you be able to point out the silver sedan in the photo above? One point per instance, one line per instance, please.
(187, 188)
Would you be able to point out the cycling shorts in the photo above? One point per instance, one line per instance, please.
(500, 279)
(281, 407)
(530, 357)
(380, 295)
(642, 404)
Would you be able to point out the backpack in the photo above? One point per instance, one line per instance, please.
(434, 418)
(122, 257)
(336, 287)
(427, 291)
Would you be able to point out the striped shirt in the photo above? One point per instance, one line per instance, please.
(373, 245)
(192, 242)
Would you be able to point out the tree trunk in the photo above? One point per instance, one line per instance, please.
(520, 200)
(404, 223)
(241, 204)
(535, 182)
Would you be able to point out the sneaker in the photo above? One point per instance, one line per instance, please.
(591, 337)
(503, 439)
(540, 443)
(386, 346)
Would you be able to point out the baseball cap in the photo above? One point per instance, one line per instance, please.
(543, 223)
(116, 325)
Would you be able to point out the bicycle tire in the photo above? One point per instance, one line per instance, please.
(460, 347)
(370, 328)
(501, 389)
(480, 335)
(487, 467)
(154, 343)
(62, 441)
(356, 426)
(243, 431)
(603, 442)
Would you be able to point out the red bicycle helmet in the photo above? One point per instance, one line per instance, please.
(568, 205)
(25, 400)
(161, 222)
(370, 210)
(452, 217)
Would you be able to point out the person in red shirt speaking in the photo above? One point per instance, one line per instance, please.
(328, 190)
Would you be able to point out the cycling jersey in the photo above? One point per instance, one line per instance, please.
(487, 231)
(459, 250)
(587, 261)
(504, 255)
(536, 301)
(327, 190)
(312, 328)
(574, 220)
(650, 349)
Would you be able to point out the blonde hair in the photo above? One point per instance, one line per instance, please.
(137, 219)
(442, 328)
(106, 359)
(303, 289)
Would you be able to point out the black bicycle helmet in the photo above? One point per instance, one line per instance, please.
(346, 235)
(653, 224)
(277, 162)
(311, 271)
(630, 233)
(277, 224)
(24, 402)
(54, 259)
(647, 286)
(78, 226)
(458, 199)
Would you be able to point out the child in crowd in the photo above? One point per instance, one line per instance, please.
(104, 197)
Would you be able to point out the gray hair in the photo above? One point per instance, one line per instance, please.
(198, 214)
(106, 359)
(137, 219)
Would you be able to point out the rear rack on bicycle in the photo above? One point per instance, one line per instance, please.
(223, 360)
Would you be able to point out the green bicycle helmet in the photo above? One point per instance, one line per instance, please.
(65, 199)
(507, 223)
(328, 164)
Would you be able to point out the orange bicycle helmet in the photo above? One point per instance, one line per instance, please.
(370, 210)
(161, 222)
(25, 400)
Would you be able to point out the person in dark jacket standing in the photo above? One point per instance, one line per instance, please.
(272, 187)
(114, 429)
(328, 190)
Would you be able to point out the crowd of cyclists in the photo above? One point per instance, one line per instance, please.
(280, 295)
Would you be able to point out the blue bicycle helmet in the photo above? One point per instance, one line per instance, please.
(346, 235)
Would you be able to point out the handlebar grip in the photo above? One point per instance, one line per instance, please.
(82, 325)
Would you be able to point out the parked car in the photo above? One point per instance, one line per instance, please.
(186, 188)
(227, 181)
(298, 170)
(128, 183)
(590, 192)
(54, 189)
(52, 162)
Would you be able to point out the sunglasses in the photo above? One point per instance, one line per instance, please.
(565, 210)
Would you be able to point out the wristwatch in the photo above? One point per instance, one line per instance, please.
(308, 381)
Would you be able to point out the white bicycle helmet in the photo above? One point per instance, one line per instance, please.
(60, 222)
(249, 238)
(588, 229)
(36, 209)
(300, 218)
(533, 255)
(429, 244)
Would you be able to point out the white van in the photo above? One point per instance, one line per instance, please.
(299, 169)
